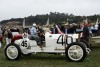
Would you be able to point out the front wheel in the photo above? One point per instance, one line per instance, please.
(12, 51)
(75, 52)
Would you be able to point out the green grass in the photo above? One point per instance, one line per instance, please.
(51, 60)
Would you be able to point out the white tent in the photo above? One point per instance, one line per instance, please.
(96, 25)
(47, 22)
(67, 19)
(86, 20)
(24, 23)
(97, 21)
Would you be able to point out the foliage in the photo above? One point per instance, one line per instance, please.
(55, 18)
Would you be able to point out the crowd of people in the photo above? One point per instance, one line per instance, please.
(38, 32)
(86, 29)
(6, 34)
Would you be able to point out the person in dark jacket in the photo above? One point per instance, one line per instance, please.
(54, 30)
(98, 29)
(63, 29)
(71, 29)
(86, 32)
(9, 36)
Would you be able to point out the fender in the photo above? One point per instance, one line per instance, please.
(23, 43)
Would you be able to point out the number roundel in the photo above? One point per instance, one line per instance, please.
(24, 43)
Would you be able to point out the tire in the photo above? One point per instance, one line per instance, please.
(74, 54)
(12, 51)
(85, 43)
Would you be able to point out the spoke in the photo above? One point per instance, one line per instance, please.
(12, 52)
(75, 52)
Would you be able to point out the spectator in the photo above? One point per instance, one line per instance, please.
(12, 29)
(54, 30)
(71, 29)
(34, 34)
(0, 37)
(59, 31)
(62, 29)
(0, 44)
(99, 29)
(66, 28)
(3, 35)
(0, 31)
(9, 36)
(86, 32)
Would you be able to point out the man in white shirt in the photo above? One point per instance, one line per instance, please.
(34, 34)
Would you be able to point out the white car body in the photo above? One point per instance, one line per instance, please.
(54, 43)
(51, 44)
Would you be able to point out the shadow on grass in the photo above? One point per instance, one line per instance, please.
(44, 56)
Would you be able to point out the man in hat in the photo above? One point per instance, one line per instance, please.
(66, 28)
(34, 34)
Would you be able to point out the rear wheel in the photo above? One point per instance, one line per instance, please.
(85, 43)
(12, 51)
(75, 52)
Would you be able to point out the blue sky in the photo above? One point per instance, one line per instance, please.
(23, 8)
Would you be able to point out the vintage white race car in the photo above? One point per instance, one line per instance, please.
(54, 43)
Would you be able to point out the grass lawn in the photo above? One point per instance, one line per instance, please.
(51, 60)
